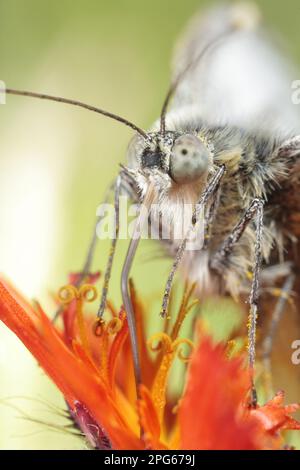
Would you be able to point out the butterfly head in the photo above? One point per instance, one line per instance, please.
(184, 157)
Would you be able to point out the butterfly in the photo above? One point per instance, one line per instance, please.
(227, 144)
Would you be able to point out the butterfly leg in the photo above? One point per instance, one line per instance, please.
(255, 210)
(112, 251)
(209, 191)
(92, 245)
(86, 269)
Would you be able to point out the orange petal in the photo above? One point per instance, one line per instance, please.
(115, 350)
(76, 379)
(274, 416)
(149, 421)
(209, 413)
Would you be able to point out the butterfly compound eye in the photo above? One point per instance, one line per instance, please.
(189, 160)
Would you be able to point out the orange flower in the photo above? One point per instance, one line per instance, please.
(92, 366)
(214, 413)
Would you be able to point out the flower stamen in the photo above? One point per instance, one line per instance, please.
(185, 307)
(176, 346)
(85, 293)
(161, 342)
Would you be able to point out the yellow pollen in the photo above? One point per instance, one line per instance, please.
(230, 347)
(103, 330)
(168, 345)
(185, 307)
(161, 342)
(112, 327)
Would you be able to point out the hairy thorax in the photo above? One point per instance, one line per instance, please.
(250, 173)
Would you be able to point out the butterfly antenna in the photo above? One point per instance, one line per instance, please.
(58, 99)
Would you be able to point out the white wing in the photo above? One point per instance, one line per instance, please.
(242, 81)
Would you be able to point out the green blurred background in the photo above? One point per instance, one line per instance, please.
(56, 162)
